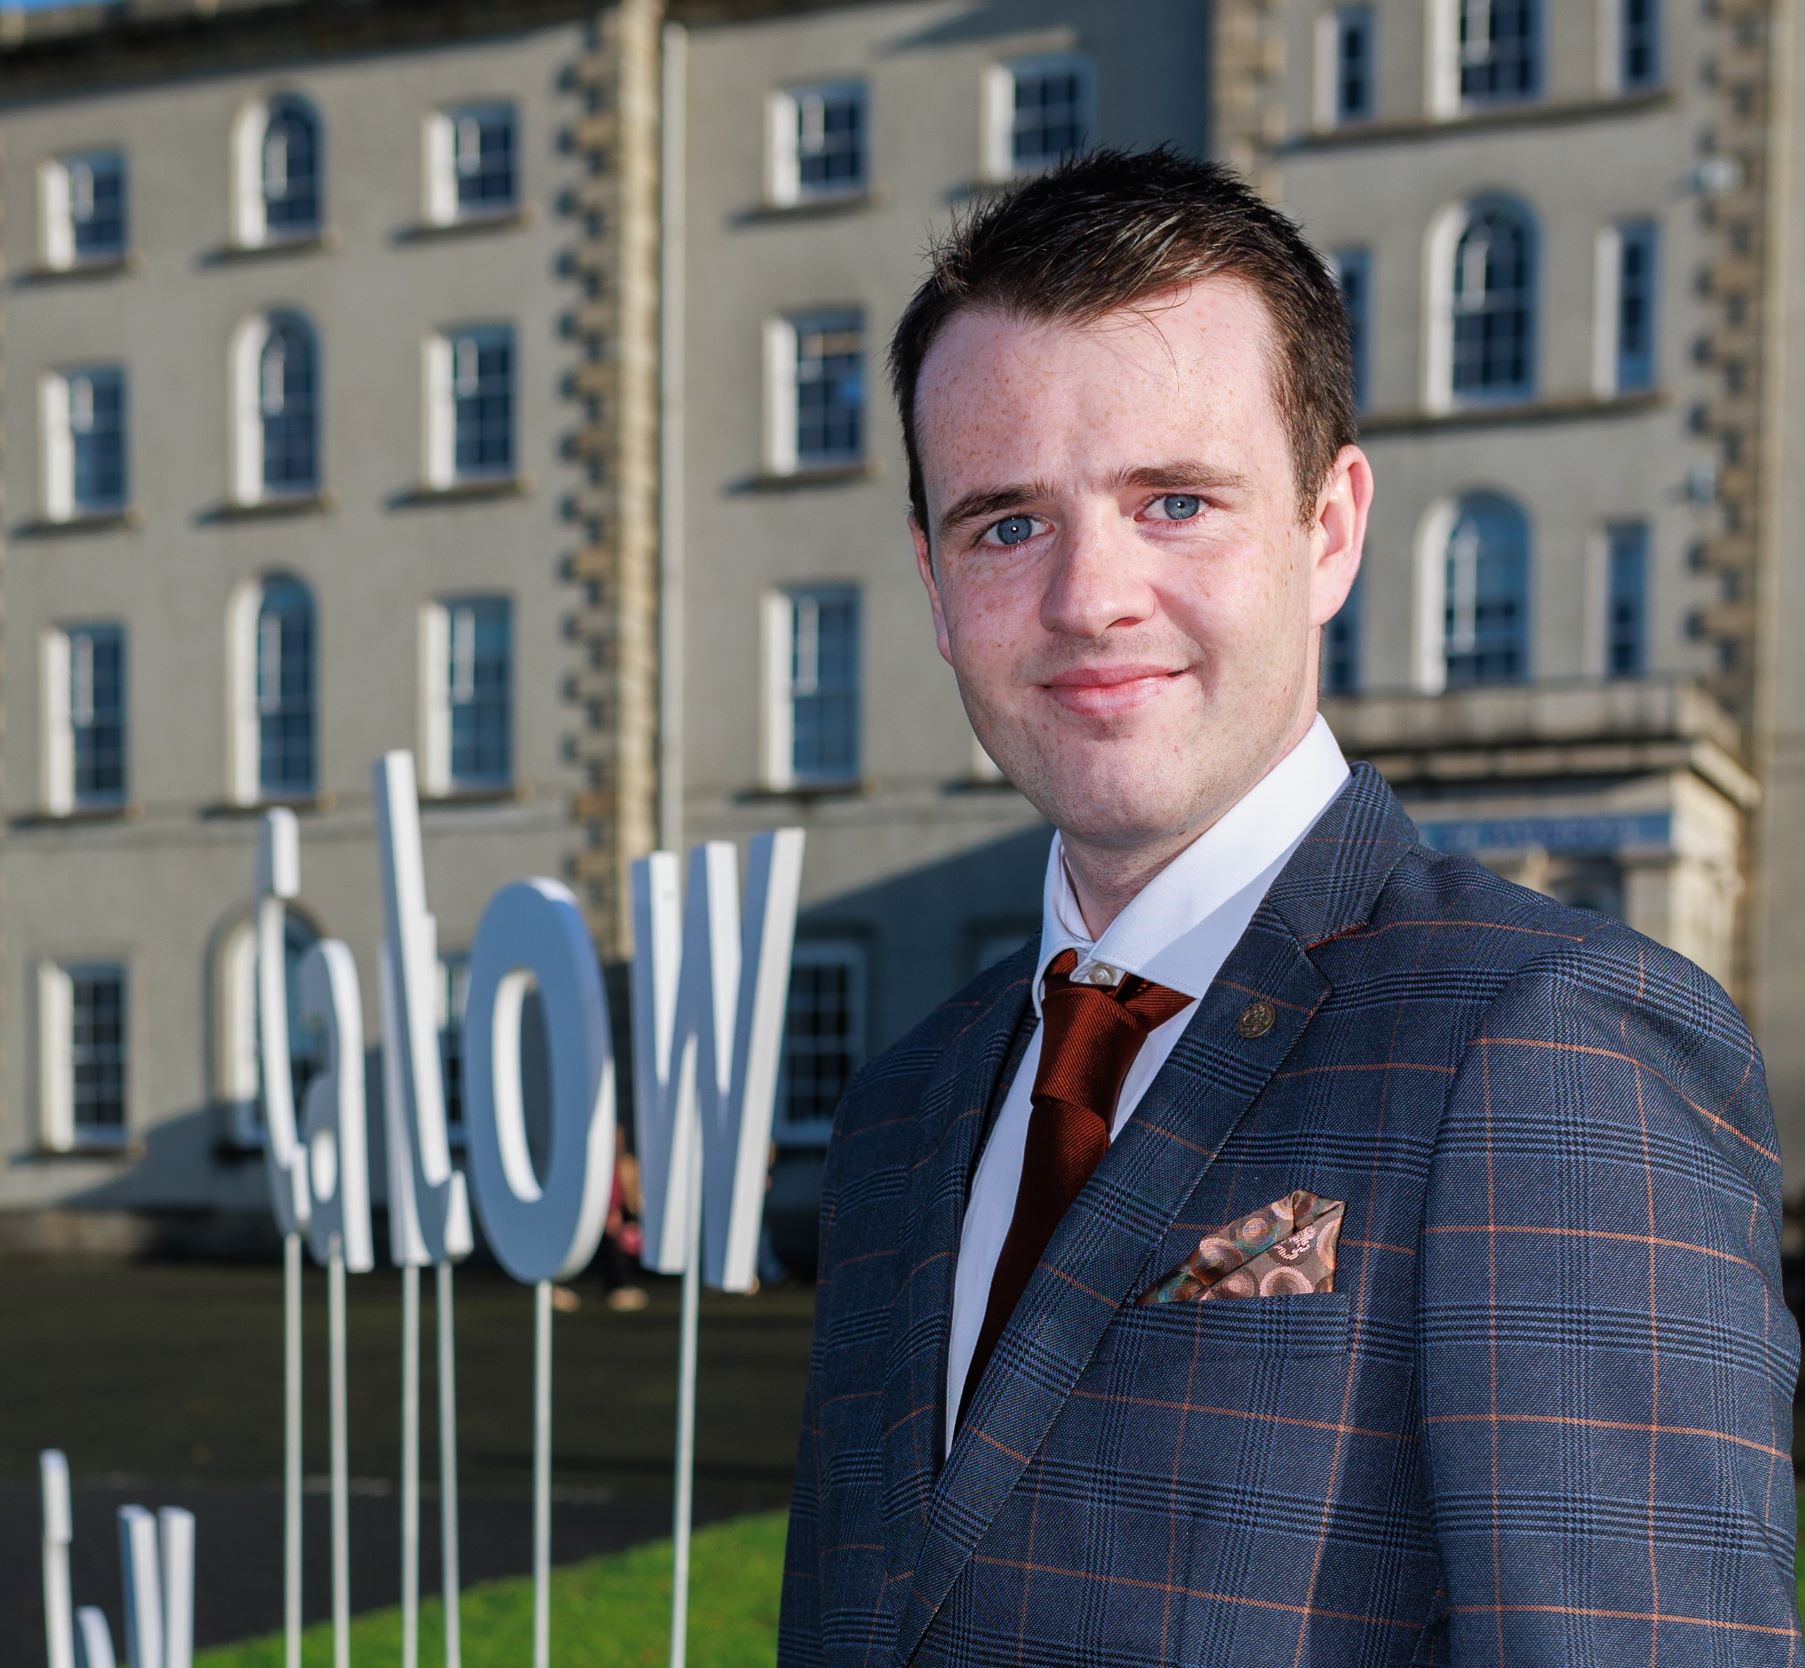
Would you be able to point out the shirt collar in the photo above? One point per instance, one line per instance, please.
(1164, 933)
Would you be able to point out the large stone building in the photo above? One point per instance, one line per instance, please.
(329, 429)
(1563, 233)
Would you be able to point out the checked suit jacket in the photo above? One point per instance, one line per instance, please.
(1544, 1416)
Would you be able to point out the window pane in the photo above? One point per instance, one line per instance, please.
(284, 687)
(96, 195)
(830, 389)
(479, 680)
(96, 437)
(482, 402)
(823, 691)
(1341, 647)
(830, 140)
(1494, 306)
(1356, 63)
(97, 714)
(1486, 607)
(483, 158)
(1051, 115)
(288, 407)
(824, 1035)
(97, 1043)
(1637, 271)
(1639, 41)
(291, 170)
(1500, 49)
(1353, 272)
(1626, 608)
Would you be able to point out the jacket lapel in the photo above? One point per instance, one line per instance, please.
(952, 1115)
(1100, 1251)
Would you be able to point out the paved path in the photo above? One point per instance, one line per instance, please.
(163, 1386)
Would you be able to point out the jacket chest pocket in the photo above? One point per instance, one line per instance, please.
(1193, 1392)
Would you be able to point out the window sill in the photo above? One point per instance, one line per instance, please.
(1513, 412)
(80, 1149)
(77, 815)
(509, 219)
(818, 475)
(101, 266)
(273, 508)
(226, 810)
(510, 793)
(476, 490)
(806, 793)
(1525, 113)
(97, 521)
(815, 208)
(325, 241)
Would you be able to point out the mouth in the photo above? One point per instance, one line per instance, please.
(1104, 690)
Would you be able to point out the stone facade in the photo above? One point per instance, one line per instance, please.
(394, 534)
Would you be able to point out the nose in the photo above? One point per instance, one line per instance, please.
(1094, 579)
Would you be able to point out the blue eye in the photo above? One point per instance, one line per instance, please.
(1014, 529)
(1179, 506)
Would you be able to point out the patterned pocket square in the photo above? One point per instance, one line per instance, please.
(1289, 1246)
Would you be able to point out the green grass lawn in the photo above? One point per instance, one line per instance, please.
(612, 1612)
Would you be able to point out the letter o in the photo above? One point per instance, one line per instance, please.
(540, 1226)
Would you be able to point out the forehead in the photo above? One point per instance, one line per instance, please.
(1182, 372)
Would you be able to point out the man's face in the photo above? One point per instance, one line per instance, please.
(1119, 575)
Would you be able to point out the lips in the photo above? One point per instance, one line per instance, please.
(1102, 690)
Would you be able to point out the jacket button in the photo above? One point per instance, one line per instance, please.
(1257, 1018)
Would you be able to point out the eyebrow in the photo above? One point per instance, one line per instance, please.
(1173, 474)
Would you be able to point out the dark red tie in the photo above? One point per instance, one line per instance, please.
(1089, 1037)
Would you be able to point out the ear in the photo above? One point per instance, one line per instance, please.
(924, 565)
(1339, 532)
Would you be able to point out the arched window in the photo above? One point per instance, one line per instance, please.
(282, 687)
(1492, 304)
(276, 373)
(1485, 607)
(280, 177)
(236, 994)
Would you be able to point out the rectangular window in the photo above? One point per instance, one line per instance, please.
(1341, 647)
(1638, 251)
(1354, 65)
(1639, 44)
(1353, 272)
(475, 419)
(823, 1039)
(1626, 600)
(819, 141)
(1041, 111)
(85, 442)
(819, 378)
(84, 209)
(814, 656)
(1498, 50)
(479, 676)
(482, 156)
(96, 667)
(83, 1029)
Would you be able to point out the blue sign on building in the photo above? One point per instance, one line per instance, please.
(1556, 834)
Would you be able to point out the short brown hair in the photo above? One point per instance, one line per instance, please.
(1109, 228)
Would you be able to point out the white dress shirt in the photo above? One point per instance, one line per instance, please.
(1177, 931)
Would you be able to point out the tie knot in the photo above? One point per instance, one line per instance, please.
(1143, 1002)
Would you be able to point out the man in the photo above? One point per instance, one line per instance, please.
(1312, 1249)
